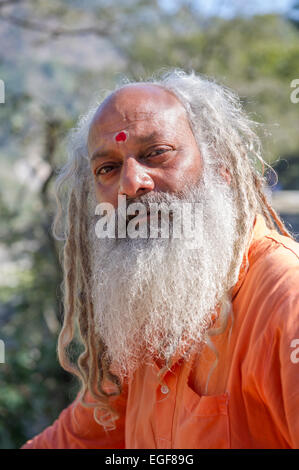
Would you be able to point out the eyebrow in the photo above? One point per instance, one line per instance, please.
(98, 154)
(141, 140)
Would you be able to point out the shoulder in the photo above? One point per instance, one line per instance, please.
(273, 271)
(268, 300)
(275, 253)
(267, 312)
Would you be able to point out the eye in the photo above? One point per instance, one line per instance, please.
(104, 170)
(157, 152)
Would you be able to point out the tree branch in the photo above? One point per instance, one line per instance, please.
(4, 3)
(43, 28)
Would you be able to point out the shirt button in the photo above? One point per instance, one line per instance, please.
(164, 389)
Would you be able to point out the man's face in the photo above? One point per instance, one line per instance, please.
(159, 152)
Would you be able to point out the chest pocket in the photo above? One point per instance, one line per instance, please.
(203, 422)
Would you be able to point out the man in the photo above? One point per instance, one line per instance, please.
(185, 345)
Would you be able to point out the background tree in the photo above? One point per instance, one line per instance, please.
(294, 13)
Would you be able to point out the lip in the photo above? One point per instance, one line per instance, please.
(148, 216)
(138, 217)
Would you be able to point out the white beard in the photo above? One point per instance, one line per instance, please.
(154, 297)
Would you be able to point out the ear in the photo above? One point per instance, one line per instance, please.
(224, 172)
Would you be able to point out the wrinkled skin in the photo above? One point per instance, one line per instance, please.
(159, 154)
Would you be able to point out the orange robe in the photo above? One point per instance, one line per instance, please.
(252, 399)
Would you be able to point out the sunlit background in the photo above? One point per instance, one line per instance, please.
(55, 58)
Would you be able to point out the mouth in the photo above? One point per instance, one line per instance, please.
(137, 216)
(148, 214)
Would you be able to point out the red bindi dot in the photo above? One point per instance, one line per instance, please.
(121, 136)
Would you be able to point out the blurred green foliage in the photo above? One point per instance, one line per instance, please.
(51, 77)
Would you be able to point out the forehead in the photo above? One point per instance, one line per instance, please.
(138, 108)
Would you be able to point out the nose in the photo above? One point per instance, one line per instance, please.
(134, 180)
